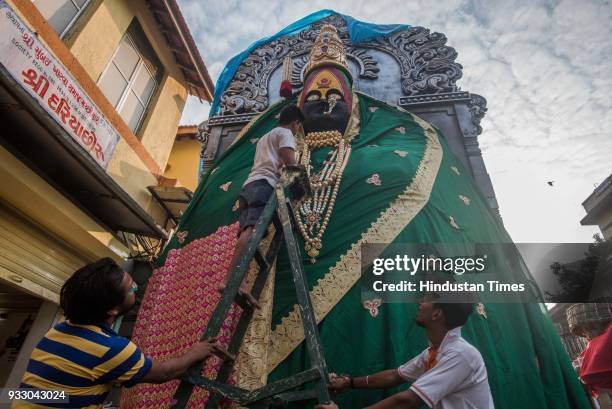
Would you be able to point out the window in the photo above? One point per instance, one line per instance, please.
(131, 76)
(61, 14)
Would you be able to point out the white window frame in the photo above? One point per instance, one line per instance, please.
(128, 88)
(74, 19)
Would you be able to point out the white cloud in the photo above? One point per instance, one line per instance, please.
(543, 65)
(195, 111)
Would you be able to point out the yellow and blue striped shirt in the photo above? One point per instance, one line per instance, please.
(84, 361)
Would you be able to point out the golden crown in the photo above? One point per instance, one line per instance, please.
(327, 50)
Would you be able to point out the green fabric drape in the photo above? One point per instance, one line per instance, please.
(525, 360)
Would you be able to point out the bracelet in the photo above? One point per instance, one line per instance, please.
(367, 380)
(352, 382)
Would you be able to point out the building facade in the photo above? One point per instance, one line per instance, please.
(91, 94)
(599, 208)
(184, 159)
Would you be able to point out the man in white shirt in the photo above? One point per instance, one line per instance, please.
(450, 374)
(274, 150)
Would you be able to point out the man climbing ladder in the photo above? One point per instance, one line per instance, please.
(275, 150)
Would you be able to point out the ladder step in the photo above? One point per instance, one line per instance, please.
(224, 354)
(286, 384)
(238, 395)
(261, 260)
(285, 398)
(242, 301)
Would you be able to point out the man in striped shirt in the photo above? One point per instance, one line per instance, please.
(83, 356)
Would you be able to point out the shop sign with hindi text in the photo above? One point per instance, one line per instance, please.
(31, 64)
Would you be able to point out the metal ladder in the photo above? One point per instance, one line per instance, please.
(281, 392)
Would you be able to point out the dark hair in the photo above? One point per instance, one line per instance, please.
(92, 291)
(289, 114)
(455, 314)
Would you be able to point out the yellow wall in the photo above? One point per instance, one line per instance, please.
(126, 168)
(159, 128)
(93, 45)
(183, 163)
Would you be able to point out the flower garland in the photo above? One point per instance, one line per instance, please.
(314, 212)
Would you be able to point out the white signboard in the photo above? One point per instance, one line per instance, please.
(30, 63)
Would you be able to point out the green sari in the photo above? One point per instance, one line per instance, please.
(402, 185)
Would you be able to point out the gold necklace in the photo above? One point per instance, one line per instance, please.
(314, 213)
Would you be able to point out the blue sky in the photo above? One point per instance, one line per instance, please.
(543, 66)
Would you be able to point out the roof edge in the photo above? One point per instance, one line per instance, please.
(194, 54)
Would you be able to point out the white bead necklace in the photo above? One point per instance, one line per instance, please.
(314, 213)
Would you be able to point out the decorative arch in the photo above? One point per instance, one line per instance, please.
(427, 64)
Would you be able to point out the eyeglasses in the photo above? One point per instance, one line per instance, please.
(133, 288)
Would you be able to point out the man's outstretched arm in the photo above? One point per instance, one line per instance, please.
(381, 380)
(389, 378)
(173, 368)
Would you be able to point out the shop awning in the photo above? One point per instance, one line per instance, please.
(173, 199)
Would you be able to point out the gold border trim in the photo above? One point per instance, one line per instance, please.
(354, 123)
(250, 368)
(251, 363)
(330, 289)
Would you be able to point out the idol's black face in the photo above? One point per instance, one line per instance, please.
(326, 100)
(317, 116)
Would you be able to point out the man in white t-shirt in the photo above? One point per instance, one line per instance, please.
(274, 150)
(450, 374)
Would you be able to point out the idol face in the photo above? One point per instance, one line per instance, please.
(326, 100)
(316, 118)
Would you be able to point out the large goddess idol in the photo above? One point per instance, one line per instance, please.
(379, 175)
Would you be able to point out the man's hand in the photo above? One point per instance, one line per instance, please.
(173, 368)
(203, 349)
(339, 383)
(331, 405)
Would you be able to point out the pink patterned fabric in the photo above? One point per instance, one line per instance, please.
(180, 299)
